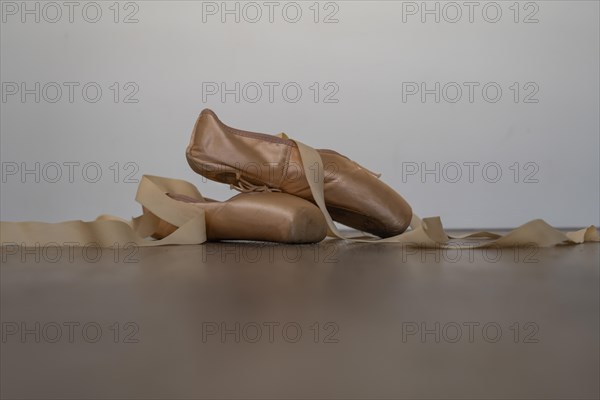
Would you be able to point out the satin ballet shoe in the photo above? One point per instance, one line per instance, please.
(250, 161)
(260, 216)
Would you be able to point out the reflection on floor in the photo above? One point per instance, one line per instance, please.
(333, 320)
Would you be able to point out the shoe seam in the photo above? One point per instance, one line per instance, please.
(286, 164)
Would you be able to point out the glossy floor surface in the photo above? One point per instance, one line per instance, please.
(333, 320)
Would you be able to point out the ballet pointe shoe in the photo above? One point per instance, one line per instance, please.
(250, 161)
(259, 216)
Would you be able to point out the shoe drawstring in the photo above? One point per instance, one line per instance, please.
(244, 186)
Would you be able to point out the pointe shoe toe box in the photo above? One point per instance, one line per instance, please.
(276, 217)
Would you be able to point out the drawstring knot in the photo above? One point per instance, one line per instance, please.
(244, 186)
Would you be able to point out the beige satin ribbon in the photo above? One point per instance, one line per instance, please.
(109, 231)
(429, 232)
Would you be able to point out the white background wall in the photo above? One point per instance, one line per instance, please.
(370, 55)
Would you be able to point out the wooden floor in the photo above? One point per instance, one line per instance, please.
(334, 320)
